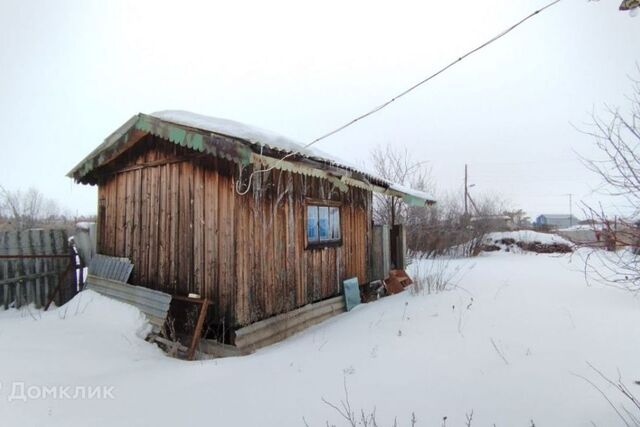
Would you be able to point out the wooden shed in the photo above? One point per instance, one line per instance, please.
(187, 199)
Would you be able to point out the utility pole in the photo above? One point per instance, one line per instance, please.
(570, 210)
(466, 192)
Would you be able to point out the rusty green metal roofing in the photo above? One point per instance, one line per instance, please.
(142, 124)
(242, 149)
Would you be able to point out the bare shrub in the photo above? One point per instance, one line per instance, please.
(361, 417)
(398, 165)
(23, 210)
(616, 268)
(445, 229)
(629, 414)
(434, 275)
(617, 138)
(438, 229)
(354, 418)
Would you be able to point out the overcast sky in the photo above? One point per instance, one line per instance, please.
(71, 72)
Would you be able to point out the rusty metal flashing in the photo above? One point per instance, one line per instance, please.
(103, 151)
(202, 141)
(341, 181)
(140, 125)
(230, 148)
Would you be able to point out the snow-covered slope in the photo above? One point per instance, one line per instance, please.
(505, 344)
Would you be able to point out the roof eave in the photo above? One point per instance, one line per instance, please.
(231, 148)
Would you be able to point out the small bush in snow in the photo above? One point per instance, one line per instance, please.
(353, 418)
(434, 275)
(629, 414)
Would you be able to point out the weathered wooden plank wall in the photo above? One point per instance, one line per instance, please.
(177, 217)
(30, 280)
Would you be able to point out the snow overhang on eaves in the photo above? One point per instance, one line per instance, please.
(244, 151)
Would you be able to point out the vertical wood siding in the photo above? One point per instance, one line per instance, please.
(186, 230)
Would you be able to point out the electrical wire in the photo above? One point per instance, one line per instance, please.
(398, 96)
(442, 70)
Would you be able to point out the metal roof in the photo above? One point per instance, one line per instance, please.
(239, 143)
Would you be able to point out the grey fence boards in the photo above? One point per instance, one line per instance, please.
(85, 241)
(30, 280)
(108, 267)
(154, 304)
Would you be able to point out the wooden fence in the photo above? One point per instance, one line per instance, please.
(34, 263)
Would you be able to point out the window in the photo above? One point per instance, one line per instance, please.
(323, 225)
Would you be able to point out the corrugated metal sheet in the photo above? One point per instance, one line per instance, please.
(109, 267)
(154, 304)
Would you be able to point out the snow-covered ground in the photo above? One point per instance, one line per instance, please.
(507, 343)
(528, 236)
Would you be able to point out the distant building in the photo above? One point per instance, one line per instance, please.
(556, 221)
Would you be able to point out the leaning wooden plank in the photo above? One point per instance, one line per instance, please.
(60, 281)
(197, 332)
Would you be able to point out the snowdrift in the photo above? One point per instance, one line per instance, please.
(526, 240)
(507, 342)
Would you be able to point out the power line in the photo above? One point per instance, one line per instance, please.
(442, 70)
(395, 98)
(523, 162)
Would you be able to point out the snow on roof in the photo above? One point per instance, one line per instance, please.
(274, 141)
(249, 133)
(408, 190)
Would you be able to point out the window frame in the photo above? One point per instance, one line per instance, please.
(328, 243)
